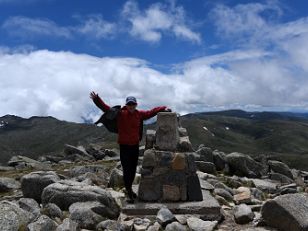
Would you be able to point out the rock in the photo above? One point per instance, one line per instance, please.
(149, 159)
(184, 144)
(12, 217)
(171, 193)
(6, 168)
(149, 189)
(8, 184)
(223, 193)
(207, 167)
(116, 179)
(193, 188)
(149, 138)
(66, 192)
(23, 162)
(182, 132)
(233, 181)
(43, 223)
(225, 187)
(287, 212)
(109, 225)
(243, 214)
(167, 135)
(33, 184)
(206, 154)
(206, 185)
(243, 165)
(88, 214)
(52, 210)
(71, 150)
(165, 216)
(243, 195)
(175, 226)
(67, 225)
(279, 167)
(31, 206)
(141, 224)
(265, 185)
(80, 170)
(196, 224)
(280, 177)
(112, 152)
(221, 200)
(141, 150)
(286, 189)
(94, 179)
(96, 152)
(179, 161)
(155, 227)
(257, 193)
(208, 208)
(219, 160)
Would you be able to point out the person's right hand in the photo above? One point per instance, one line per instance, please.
(93, 95)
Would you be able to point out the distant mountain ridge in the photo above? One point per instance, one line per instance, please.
(282, 134)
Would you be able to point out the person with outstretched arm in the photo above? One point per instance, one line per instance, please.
(128, 123)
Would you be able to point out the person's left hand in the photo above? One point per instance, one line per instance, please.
(168, 109)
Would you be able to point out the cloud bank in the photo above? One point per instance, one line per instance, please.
(266, 69)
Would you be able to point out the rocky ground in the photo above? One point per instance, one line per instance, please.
(82, 189)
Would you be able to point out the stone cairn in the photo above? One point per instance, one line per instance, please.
(168, 169)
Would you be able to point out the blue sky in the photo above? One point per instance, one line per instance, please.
(169, 49)
(198, 55)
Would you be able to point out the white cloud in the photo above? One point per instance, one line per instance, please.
(159, 19)
(28, 27)
(96, 27)
(58, 83)
(150, 25)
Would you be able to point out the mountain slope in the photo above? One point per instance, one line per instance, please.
(282, 134)
(45, 135)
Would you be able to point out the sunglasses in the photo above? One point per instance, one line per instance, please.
(131, 104)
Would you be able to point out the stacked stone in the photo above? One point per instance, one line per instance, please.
(168, 169)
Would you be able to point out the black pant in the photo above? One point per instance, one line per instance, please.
(129, 160)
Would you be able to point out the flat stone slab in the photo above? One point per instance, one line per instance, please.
(209, 208)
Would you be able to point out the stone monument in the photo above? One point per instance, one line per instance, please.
(168, 171)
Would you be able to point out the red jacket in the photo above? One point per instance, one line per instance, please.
(129, 122)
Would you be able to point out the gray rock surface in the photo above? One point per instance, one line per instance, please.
(52, 210)
(31, 206)
(116, 179)
(167, 135)
(12, 217)
(219, 160)
(43, 223)
(176, 226)
(243, 165)
(206, 154)
(223, 193)
(280, 167)
(33, 184)
(88, 214)
(207, 167)
(287, 212)
(66, 192)
(196, 224)
(265, 185)
(8, 184)
(165, 216)
(68, 225)
(243, 214)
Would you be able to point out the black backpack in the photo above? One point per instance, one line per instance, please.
(109, 120)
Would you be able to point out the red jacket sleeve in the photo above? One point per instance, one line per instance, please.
(101, 104)
(151, 113)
